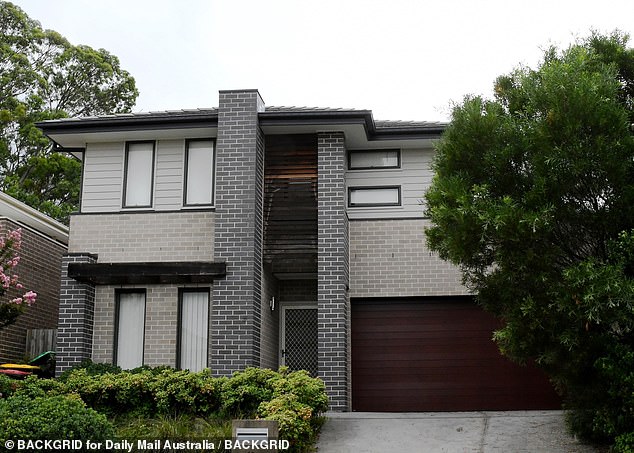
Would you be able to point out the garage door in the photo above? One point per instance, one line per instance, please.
(436, 355)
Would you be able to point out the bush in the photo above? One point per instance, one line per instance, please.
(294, 399)
(295, 420)
(177, 392)
(309, 391)
(114, 393)
(92, 369)
(7, 386)
(51, 418)
(604, 412)
(33, 387)
(243, 393)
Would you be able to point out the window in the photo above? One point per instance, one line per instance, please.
(139, 174)
(194, 330)
(368, 160)
(199, 172)
(374, 196)
(130, 330)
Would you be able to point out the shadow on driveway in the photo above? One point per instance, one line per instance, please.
(482, 432)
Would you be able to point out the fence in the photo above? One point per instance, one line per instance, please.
(39, 341)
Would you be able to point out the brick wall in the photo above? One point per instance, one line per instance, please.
(298, 291)
(76, 314)
(332, 282)
(139, 237)
(389, 258)
(236, 315)
(161, 323)
(40, 261)
(270, 327)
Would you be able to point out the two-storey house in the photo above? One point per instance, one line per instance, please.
(247, 235)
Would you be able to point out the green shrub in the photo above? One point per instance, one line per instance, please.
(295, 420)
(114, 393)
(309, 391)
(52, 418)
(624, 443)
(604, 411)
(243, 393)
(92, 369)
(181, 391)
(7, 386)
(33, 387)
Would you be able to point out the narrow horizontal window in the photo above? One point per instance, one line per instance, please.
(374, 196)
(367, 160)
(199, 175)
(130, 329)
(139, 175)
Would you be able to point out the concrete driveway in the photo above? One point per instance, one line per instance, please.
(526, 431)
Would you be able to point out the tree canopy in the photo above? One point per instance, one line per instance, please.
(43, 76)
(533, 198)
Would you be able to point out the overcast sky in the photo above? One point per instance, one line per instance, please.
(402, 59)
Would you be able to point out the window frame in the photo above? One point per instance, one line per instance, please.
(118, 293)
(359, 151)
(179, 323)
(124, 201)
(213, 172)
(370, 205)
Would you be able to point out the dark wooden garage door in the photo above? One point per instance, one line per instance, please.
(436, 355)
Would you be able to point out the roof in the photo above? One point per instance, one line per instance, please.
(19, 212)
(270, 114)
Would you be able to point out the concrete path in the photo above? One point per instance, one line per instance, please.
(460, 432)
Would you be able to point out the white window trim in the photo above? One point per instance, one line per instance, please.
(351, 189)
(124, 204)
(186, 170)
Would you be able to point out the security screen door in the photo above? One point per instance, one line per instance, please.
(299, 338)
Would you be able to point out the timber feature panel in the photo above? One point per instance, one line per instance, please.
(411, 355)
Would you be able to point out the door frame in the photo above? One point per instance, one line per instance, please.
(284, 307)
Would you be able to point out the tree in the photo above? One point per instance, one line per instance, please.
(533, 198)
(43, 76)
(9, 258)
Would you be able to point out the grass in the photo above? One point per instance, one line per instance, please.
(179, 428)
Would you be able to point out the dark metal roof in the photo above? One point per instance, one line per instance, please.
(270, 116)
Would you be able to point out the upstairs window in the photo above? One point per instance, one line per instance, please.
(199, 173)
(374, 196)
(374, 159)
(139, 175)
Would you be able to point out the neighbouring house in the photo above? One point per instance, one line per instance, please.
(247, 235)
(44, 242)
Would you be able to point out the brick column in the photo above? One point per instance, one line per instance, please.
(235, 321)
(333, 305)
(76, 316)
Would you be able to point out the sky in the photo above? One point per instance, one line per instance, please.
(402, 59)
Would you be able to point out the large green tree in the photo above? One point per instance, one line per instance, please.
(43, 76)
(533, 198)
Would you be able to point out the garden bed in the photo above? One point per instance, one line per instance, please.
(160, 404)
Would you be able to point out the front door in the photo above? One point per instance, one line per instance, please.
(299, 338)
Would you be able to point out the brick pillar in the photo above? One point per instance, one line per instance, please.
(76, 316)
(235, 321)
(333, 305)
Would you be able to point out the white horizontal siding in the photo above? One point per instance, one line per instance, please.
(414, 177)
(103, 177)
(168, 193)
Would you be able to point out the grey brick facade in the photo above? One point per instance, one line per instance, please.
(76, 316)
(236, 319)
(333, 304)
(389, 258)
(379, 252)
